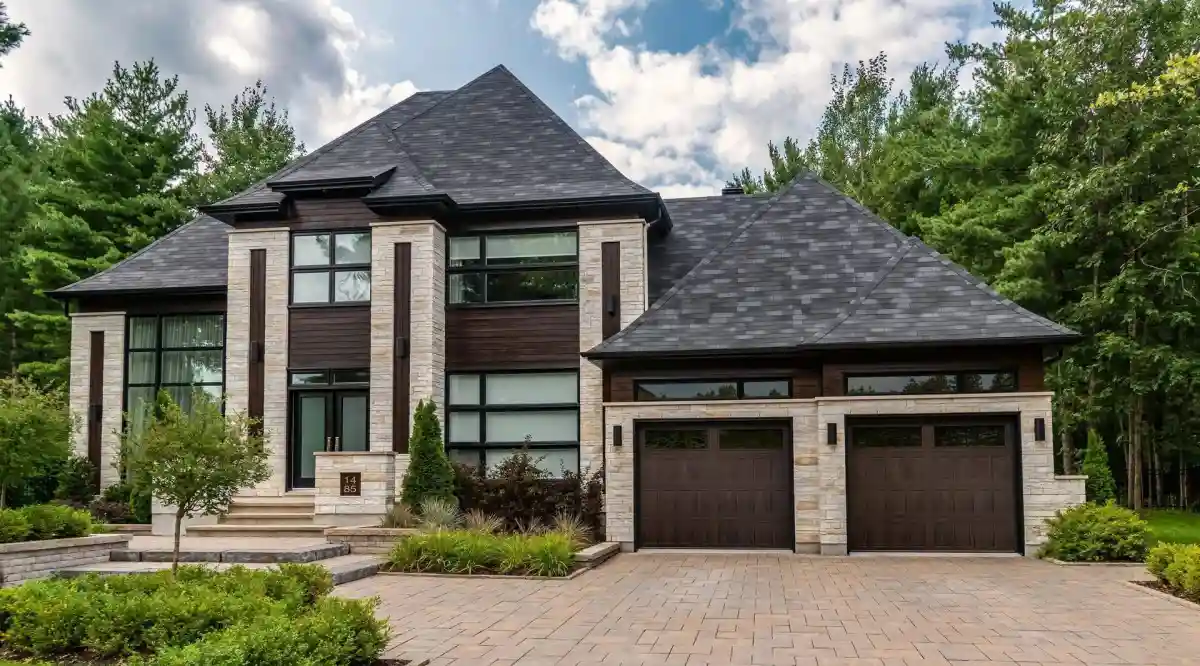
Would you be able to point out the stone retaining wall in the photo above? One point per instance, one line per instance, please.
(28, 560)
(368, 540)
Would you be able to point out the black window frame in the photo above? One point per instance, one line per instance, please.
(485, 270)
(739, 382)
(959, 385)
(158, 351)
(332, 268)
(483, 409)
(329, 381)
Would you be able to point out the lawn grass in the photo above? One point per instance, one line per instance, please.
(1173, 526)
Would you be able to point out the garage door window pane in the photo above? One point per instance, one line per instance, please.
(752, 439)
(681, 440)
(532, 426)
(969, 435)
(887, 436)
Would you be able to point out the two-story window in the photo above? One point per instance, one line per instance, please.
(179, 354)
(514, 267)
(493, 415)
(331, 267)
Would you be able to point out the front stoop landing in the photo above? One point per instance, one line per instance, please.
(289, 516)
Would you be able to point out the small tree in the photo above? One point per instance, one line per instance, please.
(35, 431)
(429, 473)
(1100, 485)
(195, 460)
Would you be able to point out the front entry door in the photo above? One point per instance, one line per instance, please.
(324, 421)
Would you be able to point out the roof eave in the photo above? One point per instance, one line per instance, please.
(329, 185)
(67, 293)
(233, 209)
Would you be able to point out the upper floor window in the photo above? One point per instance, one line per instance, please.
(998, 381)
(331, 267)
(513, 268)
(713, 389)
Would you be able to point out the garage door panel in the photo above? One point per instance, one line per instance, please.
(930, 485)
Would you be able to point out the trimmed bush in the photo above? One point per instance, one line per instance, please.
(1100, 485)
(1096, 533)
(53, 521)
(76, 481)
(143, 615)
(1177, 567)
(429, 474)
(521, 494)
(13, 526)
(477, 551)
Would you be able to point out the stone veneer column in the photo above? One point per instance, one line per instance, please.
(427, 348)
(631, 234)
(112, 324)
(275, 355)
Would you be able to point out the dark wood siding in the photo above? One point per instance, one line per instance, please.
(512, 337)
(402, 323)
(1026, 361)
(95, 414)
(332, 337)
(610, 288)
(258, 334)
(321, 214)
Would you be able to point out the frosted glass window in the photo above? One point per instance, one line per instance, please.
(464, 427)
(464, 389)
(310, 250)
(530, 248)
(536, 426)
(351, 286)
(352, 249)
(532, 389)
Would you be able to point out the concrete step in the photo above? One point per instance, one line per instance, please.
(345, 568)
(235, 551)
(269, 531)
(286, 504)
(267, 518)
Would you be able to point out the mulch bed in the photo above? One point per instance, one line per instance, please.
(1159, 587)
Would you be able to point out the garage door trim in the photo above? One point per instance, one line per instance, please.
(641, 425)
(1012, 420)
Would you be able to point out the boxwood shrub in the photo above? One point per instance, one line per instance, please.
(1096, 533)
(1177, 567)
(43, 521)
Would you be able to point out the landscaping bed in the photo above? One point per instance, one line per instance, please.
(1176, 570)
(239, 617)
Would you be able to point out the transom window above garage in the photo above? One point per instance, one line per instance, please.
(912, 383)
(712, 389)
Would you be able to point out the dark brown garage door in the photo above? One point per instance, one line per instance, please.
(947, 484)
(714, 485)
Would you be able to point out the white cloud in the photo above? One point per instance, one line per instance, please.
(683, 122)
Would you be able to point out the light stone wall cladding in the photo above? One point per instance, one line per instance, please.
(378, 470)
(237, 342)
(632, 236)
(427, 347)
(24, 561)
(820, 469)
(113, 326)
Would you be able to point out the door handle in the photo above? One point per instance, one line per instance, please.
(328, 444)
(337, 443)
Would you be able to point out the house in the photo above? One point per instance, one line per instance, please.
(783, 371)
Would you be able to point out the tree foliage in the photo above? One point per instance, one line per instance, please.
(1100, 485)
(35, 431)
(429, 474)
(1065, 174)
(194, 460)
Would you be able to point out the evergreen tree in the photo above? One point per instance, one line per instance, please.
(11, 34)
(1100, 485)
(250, 140)
(429, 474)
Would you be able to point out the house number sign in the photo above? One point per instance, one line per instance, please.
(351, 484)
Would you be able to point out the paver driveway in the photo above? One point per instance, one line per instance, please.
(783, 609)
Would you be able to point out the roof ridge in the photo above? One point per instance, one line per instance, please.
(412, 169)
(867, 289)
(156, 241)
(708, 258)
(449, 96)
(582, 141)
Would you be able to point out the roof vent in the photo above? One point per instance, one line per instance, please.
(729, 191)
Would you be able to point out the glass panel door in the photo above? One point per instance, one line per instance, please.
(352, 421)
(310, 433)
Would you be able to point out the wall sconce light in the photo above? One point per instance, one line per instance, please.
(1039, 430)
(831, 434)
(617, 436)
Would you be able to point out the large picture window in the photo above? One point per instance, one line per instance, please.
(491, 416)
(180, 354)
(513, 268)
(712, 389)
(997, 381)
(331, 268)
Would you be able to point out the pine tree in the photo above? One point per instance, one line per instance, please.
(429, 474)
(1100, 485)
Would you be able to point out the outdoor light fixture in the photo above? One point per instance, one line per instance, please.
(617, 436)
(831, 432)
(1039, 430)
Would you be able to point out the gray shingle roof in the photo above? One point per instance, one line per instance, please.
(700, 224)
(194, 256)
(811, 268)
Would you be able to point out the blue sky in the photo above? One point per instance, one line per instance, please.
(678, 94)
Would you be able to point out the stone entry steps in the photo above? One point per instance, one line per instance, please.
(344, 568)
(284, 531)
(241, 551)
(289, 516)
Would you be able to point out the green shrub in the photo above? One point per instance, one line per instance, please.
(77, 481)
(14, 526)
(1100, 485)
(438, 513)
(1177, 566)
(35, 432)
(336, 632)
(477, 551)
(1160, 557)
(1096, 533)
(121, 503)
(53, 521)
(429, 474)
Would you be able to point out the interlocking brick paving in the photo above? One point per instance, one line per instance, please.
(786, 609)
